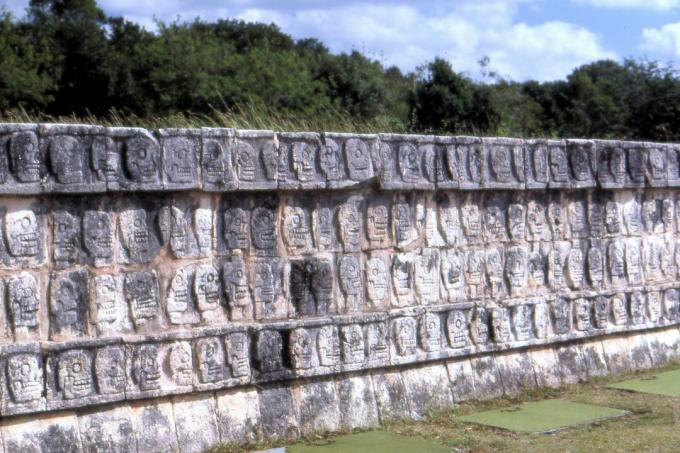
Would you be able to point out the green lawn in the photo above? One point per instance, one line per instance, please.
(652, 425)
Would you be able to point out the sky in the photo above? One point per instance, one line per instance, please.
(522, 39)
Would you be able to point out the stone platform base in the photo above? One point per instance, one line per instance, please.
(243, 415)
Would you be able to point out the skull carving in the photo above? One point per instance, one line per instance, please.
(377, 224)
(408, 156)
(141, 292)
(619, 309)
(300, 344)
(304, 156)
(238, 293)
(245, 159)
(66, 159)
(376, 342)
(558, 164)
(180, 363)
(21, 232)
(75, 374)
(501, 167)
(207, 288)
(105, 299)
(24, 300)
(238, 354)
(146, 370)
(269, 347)
(350, 275)
(141, 159)
(178, 297)
(263, 228)
(325, 227)
(580, 162)
(430, 332)
(23, 156)
(203, 228)
(653, 306)
(236, 231)
(66, 237)
(358, 159)
(179, 159)
(376, 280)
(109, 366)
(98, 234)
(617, 164)
(210, 357)
(516, 268)
(25, 377)
(329, 160)
(521, 321)
(328, 345)
(215, 162)
(297, 232)
(350, 227)
(135, 233)
(405, 336)
(612, 217)
(265, 284)
(582, 314)
(601, 312)
(457, 329)
(322, 286)
(65, 301)
(657, 163)
(352, 340)
(479, 326)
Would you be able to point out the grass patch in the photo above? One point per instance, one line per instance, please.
(652, 426)
(247, 117)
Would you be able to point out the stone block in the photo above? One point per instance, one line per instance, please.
(390, 396)
(461, 378)
(516, 372)
(408, 162)
(238, 415)
(107, 430)
(133, 160)
(278, 415)
(356, 402)
(487, 379)
(546, 370)
(427, 389)
(317, 404)
(154, 425)
(195, 422)
(180, 158)
(51, 433)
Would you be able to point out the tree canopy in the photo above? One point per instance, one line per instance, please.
(67, 57)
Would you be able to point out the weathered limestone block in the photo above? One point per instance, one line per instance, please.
(52, 433)
(109, 430)
(154, 425)
(195, 422)
(180, 287)
(356, 402)
(238, 415)
(390, 396)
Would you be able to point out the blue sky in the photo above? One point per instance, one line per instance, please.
(524, 39)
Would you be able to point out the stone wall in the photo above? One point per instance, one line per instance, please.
(178, 288)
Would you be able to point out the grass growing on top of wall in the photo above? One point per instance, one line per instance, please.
(653, 425)
(251, 117)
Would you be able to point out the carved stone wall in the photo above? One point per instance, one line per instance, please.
(187, 286)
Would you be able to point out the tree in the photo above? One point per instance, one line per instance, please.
(444, 101)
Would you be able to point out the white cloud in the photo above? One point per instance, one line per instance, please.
(662, 41)
(405, 34)
(656, 5)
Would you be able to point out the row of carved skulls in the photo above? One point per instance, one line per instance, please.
(81, 373)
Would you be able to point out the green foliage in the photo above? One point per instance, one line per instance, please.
(66, 58)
